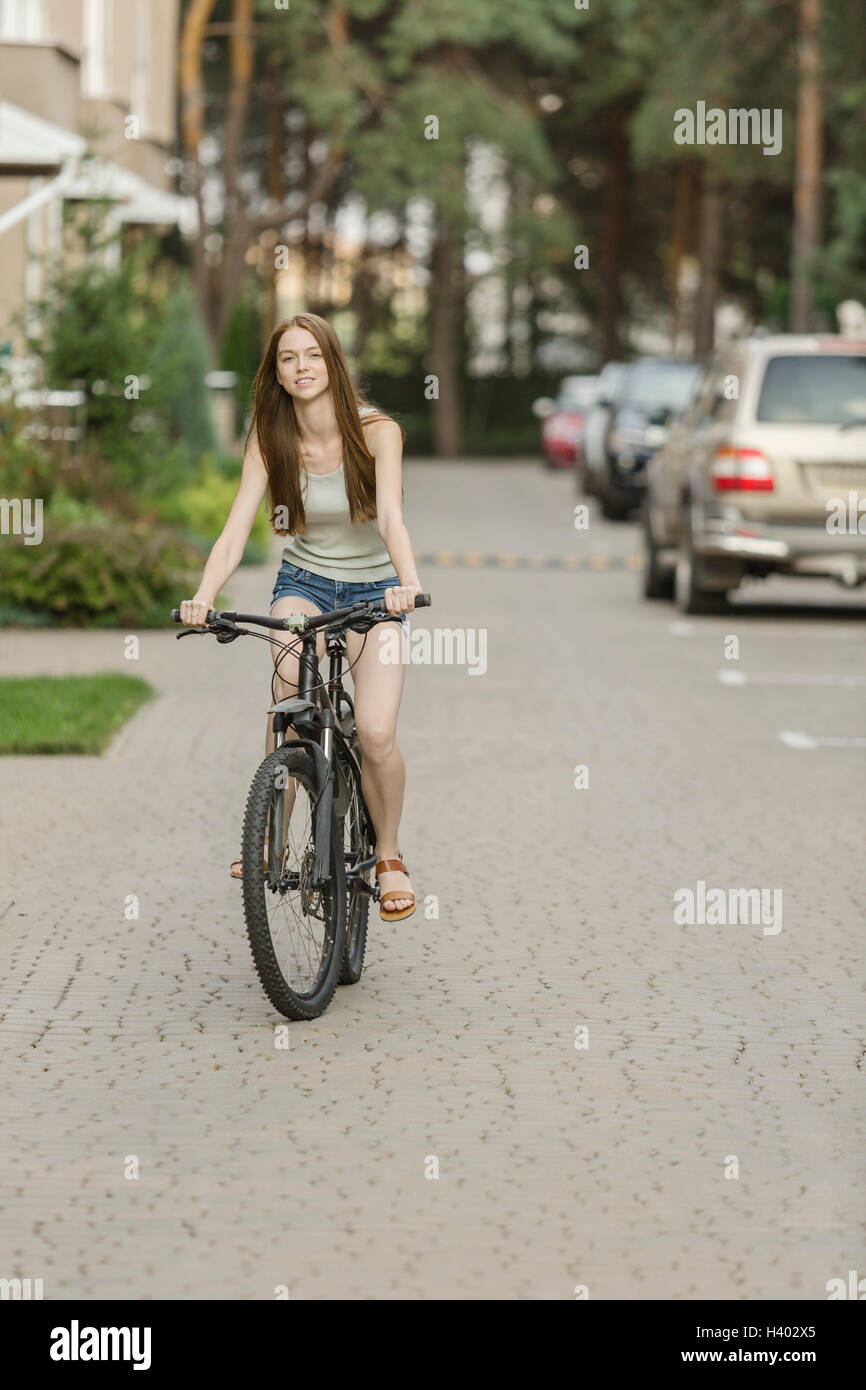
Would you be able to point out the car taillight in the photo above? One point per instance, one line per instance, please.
(741, 470)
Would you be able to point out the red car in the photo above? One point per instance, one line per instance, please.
(563, 420)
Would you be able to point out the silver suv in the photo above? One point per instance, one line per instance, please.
(766, 473)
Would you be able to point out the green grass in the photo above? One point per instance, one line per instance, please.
(66, 714)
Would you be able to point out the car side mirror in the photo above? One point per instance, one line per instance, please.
(543, 406)
(660, 415)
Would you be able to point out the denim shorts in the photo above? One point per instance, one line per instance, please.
(330, 593)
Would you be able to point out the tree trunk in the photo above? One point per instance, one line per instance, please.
(682, 235)
(192, 124)
(710, 256)
(446, 303)
(807, 178)
(275, 114)
(241, 65)
(363, 305)
(615, 188)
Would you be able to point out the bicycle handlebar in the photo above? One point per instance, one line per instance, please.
(279, 624)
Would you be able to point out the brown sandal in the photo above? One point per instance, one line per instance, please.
(384, 866)
(239, 863)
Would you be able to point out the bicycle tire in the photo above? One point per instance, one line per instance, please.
(357, 901)
(292, 1004)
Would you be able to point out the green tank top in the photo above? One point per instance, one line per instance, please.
(333, 545)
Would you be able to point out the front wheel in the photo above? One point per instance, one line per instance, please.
(357, 847)
(296, 927)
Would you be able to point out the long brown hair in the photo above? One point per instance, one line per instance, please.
(276, 429)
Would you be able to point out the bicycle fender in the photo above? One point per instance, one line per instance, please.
(310, 746)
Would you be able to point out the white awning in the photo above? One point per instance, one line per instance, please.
(136, 200)
(27, 141)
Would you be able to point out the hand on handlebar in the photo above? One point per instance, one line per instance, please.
(401, 598)
(194, 611)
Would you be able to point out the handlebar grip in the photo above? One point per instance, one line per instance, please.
(175, 615)
(422, 600)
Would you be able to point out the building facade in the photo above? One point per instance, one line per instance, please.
(82, 78)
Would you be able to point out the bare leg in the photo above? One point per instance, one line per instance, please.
(378, 690)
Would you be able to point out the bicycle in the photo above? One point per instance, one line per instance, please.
(308, 837)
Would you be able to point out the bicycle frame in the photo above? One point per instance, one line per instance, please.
(317, 728)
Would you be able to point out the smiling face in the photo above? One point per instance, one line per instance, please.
(301, 366)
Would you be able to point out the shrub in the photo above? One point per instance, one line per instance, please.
(201, 508)
(28, 469)
(94, 569)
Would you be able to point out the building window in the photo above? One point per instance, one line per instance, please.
(22, 19)
(95, 43)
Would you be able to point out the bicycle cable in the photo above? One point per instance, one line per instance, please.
(295, 647)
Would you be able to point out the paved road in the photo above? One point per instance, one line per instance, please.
(559, 1166)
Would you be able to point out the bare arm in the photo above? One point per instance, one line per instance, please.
(227, 551)
(385, 443)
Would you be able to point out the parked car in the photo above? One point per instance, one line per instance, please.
(564, 418)
(652, 393)
(591, 464)
(764, 474)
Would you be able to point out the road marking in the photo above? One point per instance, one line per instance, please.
(474, 559)
(741, 678)
(792, 738)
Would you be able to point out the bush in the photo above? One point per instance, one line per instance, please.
(28, 470)
(93, 569)
(201, 508)
(130, 336)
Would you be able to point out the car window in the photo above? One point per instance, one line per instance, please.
(813, 390)
(577, 395)
(663, 384)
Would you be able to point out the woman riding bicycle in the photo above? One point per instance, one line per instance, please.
(335, 487)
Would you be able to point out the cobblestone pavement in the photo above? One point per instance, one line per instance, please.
(559, 1166)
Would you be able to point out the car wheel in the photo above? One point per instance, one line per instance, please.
(691, 590)
(658, 581)
(612, 507)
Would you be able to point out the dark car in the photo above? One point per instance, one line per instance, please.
(591, 465)
(564, 420)
(655, 391)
